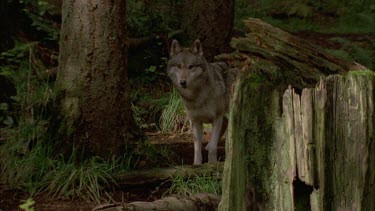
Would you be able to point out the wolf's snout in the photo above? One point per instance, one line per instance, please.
(183, 83)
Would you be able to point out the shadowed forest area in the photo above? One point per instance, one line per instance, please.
(89, 116)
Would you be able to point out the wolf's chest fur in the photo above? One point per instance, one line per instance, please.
(209, 102)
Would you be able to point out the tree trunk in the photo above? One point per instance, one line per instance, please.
(92, 77)
(303, 148)
(202, 201)
(210, 21)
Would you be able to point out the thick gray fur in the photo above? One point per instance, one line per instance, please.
(205, 91)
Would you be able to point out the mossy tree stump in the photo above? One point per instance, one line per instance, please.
(299, 138)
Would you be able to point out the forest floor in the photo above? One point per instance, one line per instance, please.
(179, 145)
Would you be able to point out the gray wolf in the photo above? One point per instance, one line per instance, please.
(205, 92)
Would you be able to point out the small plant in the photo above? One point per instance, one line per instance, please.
(27, 205)
(198, 184)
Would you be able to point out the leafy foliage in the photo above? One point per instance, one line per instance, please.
(34, 88)
(38, 11)
(153, 17)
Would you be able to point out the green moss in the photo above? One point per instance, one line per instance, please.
(256, 128)
(362, 73)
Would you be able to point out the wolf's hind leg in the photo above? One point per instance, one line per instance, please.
(212, 146)
(197, 131)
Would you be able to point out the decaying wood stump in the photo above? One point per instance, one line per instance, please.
(332, 130)
(195, 202)
(309, 146)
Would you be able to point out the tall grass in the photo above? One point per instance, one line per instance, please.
(197, 184)
(33, 167)
(173, 114)
(86, 180)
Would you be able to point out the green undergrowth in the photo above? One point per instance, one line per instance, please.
(355, 52)
(28, 162)
(149, 155)
(336, 16)
(29, 157)
(30, 165)
(197, 184)
(173, 114)
(157, 110)
(39, 170)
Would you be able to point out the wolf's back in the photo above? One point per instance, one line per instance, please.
(228, 75)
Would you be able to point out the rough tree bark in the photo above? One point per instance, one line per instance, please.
(210, 21)
(304, 148)
(92, 76)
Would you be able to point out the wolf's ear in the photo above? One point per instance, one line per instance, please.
(197, 48)
(175, 48)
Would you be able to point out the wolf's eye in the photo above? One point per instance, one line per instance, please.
(179, 66)
(190, 67)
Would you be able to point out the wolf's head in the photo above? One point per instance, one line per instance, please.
(187, 66)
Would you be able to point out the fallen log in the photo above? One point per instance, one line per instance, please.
(202, 201)
(158, 175)
(282, 58)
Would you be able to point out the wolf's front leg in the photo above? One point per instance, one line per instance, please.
(197, 131)
(212, 146)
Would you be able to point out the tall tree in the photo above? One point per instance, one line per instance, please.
(92, 76)
(210, 21)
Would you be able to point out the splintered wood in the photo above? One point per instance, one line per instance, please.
(331, 130)
(307, 148)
